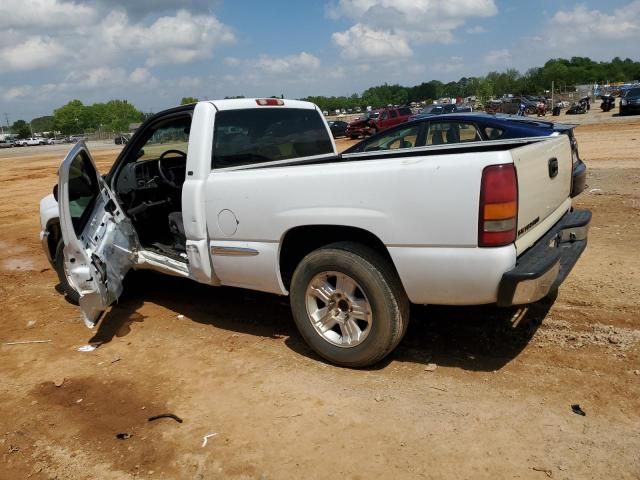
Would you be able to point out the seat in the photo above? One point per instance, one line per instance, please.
(176, 227)
(452, 134)
(437, 139)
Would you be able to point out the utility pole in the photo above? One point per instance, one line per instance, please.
(6, 117)
(552, 98)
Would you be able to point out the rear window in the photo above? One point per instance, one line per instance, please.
(245, 137)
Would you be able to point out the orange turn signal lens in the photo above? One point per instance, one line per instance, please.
(500, 211)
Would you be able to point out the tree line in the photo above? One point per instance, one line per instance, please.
(565, 73)
(117, 115)
(75, 117)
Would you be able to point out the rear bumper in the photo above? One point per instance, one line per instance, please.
(579, 179)
(547, 263)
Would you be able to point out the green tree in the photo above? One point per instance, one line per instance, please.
(21, 128)
(485, 90)
(188, 100)
(70, 118)
(42, 124)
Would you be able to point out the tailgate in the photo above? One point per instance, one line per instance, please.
(544, 184)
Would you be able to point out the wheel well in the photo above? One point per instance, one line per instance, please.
(55, 234)
(300, 241)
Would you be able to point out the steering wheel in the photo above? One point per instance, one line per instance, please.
(166, 173)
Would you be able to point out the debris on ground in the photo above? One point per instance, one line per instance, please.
(27, 342)
(207, 437)
(88, 348)
(431, 367)
(180, 317)
(299, 414)
(58, 382)
(575, 408)
(123, 435)
(165, 415)
(442, 389)
(547, 471)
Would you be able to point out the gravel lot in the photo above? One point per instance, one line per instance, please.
(498, 405)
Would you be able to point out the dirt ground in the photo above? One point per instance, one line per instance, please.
(230, 363)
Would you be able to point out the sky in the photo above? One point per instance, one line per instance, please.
(154, 52)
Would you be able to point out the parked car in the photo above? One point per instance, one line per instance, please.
(511, 105)
(77, 138)
(352, 239)
(31, 141)
(458, 128)
(440, 109)
(378, 120)
(6, 143)
(338, 128)
(630, 102)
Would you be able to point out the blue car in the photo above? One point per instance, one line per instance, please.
(471, 128)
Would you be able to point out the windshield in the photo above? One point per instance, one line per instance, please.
(632, 92)
(432, 109)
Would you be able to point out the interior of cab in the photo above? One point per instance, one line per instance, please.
(149, 185)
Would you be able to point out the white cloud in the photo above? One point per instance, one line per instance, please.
(140, 75)
(581, 24)
(499, 58)
(476, 30)
(232, 61)
(50, 14)
(303, 61)
(182, 38)
(452, 65)
(361, 41)
(33, 53)
(405, 21)
(14, 93)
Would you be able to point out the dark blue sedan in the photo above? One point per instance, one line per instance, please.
(458, 128)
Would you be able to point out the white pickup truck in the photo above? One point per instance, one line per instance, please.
(252, 193)
(31, 141)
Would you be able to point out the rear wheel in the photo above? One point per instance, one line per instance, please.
(349, 304)
(66, 287)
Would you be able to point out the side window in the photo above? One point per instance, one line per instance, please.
(83, 190)
(398, 138)
(170, 135)
(383, 116)
(405, 111)
(442, 133)
(393, 114)
(493, 133)
(258, 135)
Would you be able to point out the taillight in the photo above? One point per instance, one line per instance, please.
(498, 217)
(270, 102)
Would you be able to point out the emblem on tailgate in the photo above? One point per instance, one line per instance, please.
(528, 226)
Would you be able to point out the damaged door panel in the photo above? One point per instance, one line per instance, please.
(100, 243)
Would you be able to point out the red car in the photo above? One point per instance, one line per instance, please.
(378, 120)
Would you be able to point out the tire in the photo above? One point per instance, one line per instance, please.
(378, 295)
(65, 287)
